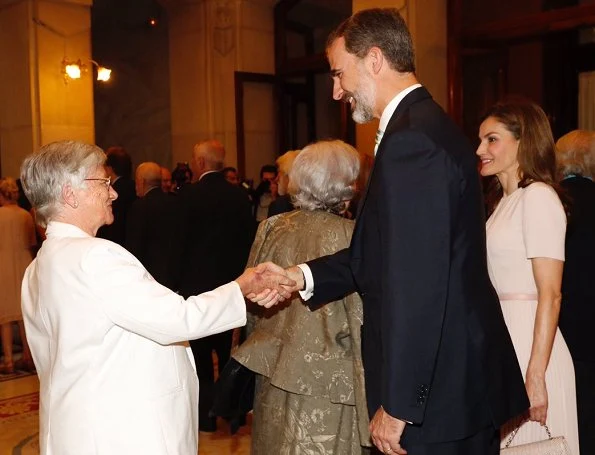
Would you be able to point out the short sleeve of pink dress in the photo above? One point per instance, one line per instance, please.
(544, 222)
(531, 223)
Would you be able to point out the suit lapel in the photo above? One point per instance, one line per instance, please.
(399, 121)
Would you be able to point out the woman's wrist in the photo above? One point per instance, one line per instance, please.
(535, 373)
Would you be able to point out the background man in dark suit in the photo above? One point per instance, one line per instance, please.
(265, 192)
(575, 158)
(441, 372)
(118, 166)
(219, 233)
(166, 180)
(154, 227)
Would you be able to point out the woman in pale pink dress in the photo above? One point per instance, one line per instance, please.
(525, 246)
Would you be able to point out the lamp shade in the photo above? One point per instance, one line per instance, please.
(103, 73)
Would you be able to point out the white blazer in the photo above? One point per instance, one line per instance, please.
(108, 341)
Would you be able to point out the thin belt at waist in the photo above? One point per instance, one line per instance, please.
(517, 296)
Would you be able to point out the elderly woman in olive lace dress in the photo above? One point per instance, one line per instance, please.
(309, 396)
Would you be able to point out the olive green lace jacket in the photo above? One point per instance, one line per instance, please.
(304, 352)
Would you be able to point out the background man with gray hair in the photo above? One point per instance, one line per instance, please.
(575, 158)
(153, 230)
(219, 233)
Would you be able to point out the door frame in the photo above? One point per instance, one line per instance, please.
(241, 78)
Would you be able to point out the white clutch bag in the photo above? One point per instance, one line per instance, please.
(550, 446)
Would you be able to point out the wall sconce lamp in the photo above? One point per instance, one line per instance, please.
(73, 70)
(103, 73)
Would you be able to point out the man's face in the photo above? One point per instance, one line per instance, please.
(166, 183)
(270, 176)
(232, 177)
(351, 82)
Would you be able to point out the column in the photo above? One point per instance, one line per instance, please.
(38, 106)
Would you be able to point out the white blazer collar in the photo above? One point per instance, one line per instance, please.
(58, 229)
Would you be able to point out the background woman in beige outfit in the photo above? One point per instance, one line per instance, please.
(17, 238)
(525, 246)
(309, 396)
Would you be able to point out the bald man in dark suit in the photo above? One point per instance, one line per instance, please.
(154, 227)
(219, 233)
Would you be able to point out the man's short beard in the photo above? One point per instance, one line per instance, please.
(364, 102)
(362, 113)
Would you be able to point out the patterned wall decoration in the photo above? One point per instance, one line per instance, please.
(224, 34)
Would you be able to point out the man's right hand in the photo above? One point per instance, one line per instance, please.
(266, 284)
(266, 298)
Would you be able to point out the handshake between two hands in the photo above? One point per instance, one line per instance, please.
(268, 284)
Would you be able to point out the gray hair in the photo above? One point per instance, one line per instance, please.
(213, 153)
(44, 174)
(575, 153)
(150, 172)
(322, 176)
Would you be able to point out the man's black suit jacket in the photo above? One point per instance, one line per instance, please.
(435, 346)
(578, 293)
(116, 232)
(219, 233)
(154, 235)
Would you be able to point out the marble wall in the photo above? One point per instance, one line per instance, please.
(38, 105)
(18, 134)
(256, 54)
(173, 84)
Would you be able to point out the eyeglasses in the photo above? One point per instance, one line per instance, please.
(106, 180)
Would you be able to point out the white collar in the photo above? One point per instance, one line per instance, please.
(205, 173)
(391, 107)
(62, 229)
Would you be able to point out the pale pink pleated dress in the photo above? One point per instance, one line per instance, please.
(531, 223)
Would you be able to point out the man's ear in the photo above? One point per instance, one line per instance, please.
(68, 196)
(375, 59)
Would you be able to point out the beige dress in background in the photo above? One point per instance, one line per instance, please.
(310, 394)
(17, 236)
(526, 224)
